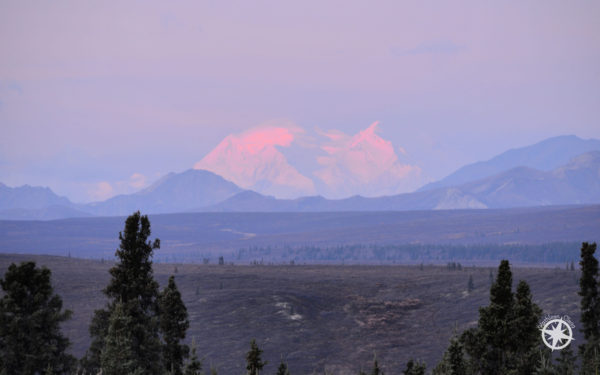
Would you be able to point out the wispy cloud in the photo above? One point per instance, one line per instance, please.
(101, 191)
(137, 181)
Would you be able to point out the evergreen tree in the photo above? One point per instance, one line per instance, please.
(30, 318)
(453, 361)
(493, 323)
(565, 363)
(173, 325)
(456, 359)
(544, 365)
(254, 363)
(507, 337)
(589, 291)
(194, 366)
(470, 284)
(414, 368)
(443, 367)
(132, 280)
(283, 369)
(117, 356)
(590, 309)
(526, 334)
(376, 370)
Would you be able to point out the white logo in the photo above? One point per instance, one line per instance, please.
(557, 332)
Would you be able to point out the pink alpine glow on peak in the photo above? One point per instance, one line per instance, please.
(364, 164)
(252, 161)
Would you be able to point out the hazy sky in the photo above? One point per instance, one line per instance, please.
(102, 97)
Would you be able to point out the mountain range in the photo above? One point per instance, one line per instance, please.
(558, 171)
(282, 160)
(577, 182)
(546, 155)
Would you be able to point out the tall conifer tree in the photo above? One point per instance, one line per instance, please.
(507, 337)
(525, 333)
(194, 366)
(590, 310)
(376, 369)
(30, 318)
(254, 362)
(132, 284)
(414, 368)
(283, 369)
(117, 356)
(173, 325)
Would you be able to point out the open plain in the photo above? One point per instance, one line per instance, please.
(316, 317)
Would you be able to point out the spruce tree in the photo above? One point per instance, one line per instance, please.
(194, 366)
(590, 309)
(589, 292)
(507, 337)
(173, 325)
(117, 356)
(443, 367)
(493, 323)
(131, 280)
(565, 363)
(526, 334)
(453, 361)
(456, 359)
(254, 363)
(414, 368)
(544, 365)
(30, 318)
(283, 369)
(376, 370)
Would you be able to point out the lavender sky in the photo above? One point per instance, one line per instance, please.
(103, 97)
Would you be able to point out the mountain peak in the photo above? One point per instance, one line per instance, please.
(364, 164)
(252, 161)
(174, 192)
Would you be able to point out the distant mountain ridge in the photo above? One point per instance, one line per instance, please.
(175, 192)
(576, 181)
(545, 155)
(29, 198)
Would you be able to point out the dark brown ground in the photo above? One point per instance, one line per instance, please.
(318, 318)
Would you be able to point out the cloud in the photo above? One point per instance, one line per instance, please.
(252, 161)
(364, 164)
(137, 181)
(438, 47)
(101, 191)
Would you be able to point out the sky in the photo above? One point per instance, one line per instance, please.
(100, 98)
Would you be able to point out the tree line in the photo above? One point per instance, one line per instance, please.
(555, 252)
(142, 328)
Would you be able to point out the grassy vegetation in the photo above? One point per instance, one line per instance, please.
(317, 317)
